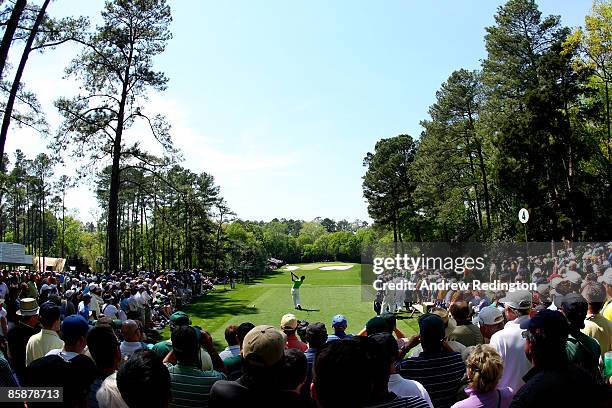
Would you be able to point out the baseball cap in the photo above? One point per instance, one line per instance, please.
(490, 316)
(518, 299)
(73, 327)
(339, 320)
(377, 325)
(263, 346)
(431, 325)
(289, 322)
(549, 320)
(180, 319)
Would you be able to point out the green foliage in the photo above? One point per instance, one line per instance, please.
(530, 130)
(388, 186)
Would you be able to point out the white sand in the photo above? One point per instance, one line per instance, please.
(292, 268)
(336, 268)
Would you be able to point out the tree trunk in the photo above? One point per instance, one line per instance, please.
(63, 220)
(113, 199)
(134, 233)
(485, 186)
(608, 125)
(9, 32)
(218, 239)
(10, 102)
(42, 223)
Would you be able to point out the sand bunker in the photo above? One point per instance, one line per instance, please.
(336, 268)
(292, 268)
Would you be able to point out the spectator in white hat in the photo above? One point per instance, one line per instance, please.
(509, 341)
(595, 325)
(20, 334)
(606, 279)
(490, 320)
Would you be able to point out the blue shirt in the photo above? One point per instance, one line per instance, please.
(338, 336)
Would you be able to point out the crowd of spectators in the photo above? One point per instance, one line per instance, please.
(90, 336)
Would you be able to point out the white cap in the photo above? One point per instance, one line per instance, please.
(490, 316)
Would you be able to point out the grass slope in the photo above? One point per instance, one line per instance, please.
(267, 299)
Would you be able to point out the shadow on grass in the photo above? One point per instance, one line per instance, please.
(266, 275)
(310, 310)
(217, 304)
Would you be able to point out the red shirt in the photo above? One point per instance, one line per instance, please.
(294, 343)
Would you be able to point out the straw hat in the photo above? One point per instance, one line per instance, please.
(28, 307)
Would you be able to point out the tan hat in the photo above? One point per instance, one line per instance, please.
(289, 322)
(264, 346)
(450, 324)
(28, 307)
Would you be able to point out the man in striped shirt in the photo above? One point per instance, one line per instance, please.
(189, 384)
(437, 368)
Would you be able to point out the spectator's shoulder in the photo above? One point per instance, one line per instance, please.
(215, 374)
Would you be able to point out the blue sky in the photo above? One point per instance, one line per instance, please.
(280, 101)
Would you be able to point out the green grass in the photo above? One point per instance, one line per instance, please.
(326, 293)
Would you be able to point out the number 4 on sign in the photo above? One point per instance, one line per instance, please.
(523, 215)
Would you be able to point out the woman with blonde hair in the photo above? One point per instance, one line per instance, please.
(484, 369)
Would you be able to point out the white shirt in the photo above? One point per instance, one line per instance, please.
(66, 355)
(145, 297)
(129, 347)
(408, 388)
(110, 310)
(108, 396)
(510, 345)
(139, 300)
(230, 351)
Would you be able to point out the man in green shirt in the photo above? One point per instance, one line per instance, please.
(581, 349)
(177, 319)
(190, 385)
(295, 290)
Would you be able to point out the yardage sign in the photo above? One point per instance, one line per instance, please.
(523, 215)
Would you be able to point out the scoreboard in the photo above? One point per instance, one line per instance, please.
(14, 254)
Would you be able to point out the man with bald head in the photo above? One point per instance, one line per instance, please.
(132, 338)
(466, 332)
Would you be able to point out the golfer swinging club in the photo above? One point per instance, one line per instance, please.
(295, 290)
